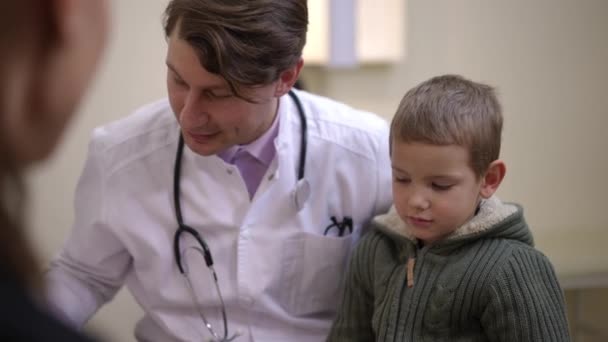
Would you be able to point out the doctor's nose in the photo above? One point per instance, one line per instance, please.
(194, 111)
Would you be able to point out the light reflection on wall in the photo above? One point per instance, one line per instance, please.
(350, 33)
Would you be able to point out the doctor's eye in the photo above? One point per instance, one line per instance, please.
(179, 81)
(217, 95)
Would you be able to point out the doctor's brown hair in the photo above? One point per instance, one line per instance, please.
(247, 42)
(24, 25)
(451, 110)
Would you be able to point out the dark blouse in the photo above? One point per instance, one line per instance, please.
(21, 319)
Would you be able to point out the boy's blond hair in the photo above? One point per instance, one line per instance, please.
(451, 110)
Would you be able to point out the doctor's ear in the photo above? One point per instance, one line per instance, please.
(492, 178)
(288, 78)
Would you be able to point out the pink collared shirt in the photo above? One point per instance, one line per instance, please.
(253, 159)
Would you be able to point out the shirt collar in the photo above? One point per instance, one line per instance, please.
(262, 149)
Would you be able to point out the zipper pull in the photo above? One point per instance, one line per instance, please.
(411, 262)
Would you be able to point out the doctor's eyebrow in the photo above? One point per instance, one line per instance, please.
(211, 87)
(172, 68)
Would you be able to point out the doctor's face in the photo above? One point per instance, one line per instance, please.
(212, 119)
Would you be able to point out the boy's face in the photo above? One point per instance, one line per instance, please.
(434, 189)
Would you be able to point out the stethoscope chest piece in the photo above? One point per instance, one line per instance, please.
(301, 193)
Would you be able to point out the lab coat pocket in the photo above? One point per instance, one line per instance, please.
(313, 271)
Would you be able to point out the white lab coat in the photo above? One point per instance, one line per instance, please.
(279, 275)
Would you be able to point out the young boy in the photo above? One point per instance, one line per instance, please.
(449, 261)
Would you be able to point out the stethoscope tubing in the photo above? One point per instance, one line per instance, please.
(182, 228)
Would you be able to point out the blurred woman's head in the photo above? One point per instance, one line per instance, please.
(49, 50)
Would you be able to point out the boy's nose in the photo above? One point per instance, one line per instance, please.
(419, 202)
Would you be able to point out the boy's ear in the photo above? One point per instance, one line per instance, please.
(492, 178)
(288, 78)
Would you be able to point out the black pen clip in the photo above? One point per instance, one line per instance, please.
(347, 223)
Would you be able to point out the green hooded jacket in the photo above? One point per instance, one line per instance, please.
(484, 282)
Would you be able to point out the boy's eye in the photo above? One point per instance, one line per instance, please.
(441, 187)
(401, 180)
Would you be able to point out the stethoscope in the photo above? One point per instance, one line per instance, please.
(300, 195)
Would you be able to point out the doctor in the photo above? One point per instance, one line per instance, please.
(228, 210)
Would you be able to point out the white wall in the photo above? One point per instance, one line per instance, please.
(548, 59)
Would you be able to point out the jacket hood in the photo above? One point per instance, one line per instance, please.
(494, 219)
